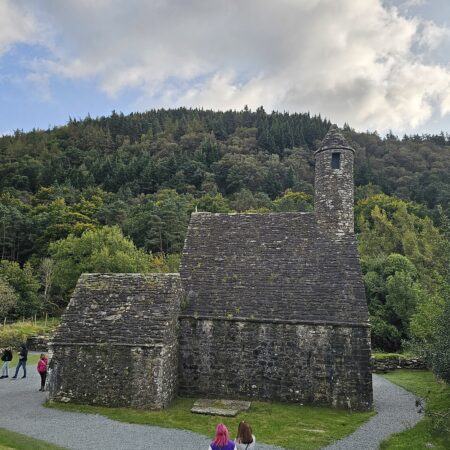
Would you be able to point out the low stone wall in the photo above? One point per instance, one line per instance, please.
(389, 363)
(320, 364)
(38, 343)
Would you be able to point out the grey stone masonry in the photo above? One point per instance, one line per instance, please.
(333, 185)
(320, 364)
(270, 266)
(274, 304)
(117, 344)
(389, 363)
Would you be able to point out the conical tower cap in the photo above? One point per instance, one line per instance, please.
(334, 140)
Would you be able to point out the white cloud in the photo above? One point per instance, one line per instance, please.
(16, 26)
(352, 61)
(412, 3)
(432, 35)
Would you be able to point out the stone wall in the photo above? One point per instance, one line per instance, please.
(271, 360)
(390, 363)
(117, 342)
(37, 343)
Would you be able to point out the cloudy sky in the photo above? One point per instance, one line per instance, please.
(376, 64)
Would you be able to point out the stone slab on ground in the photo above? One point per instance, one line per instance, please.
(214, 407)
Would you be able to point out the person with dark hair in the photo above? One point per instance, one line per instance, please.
(222, 439)
(23, 356)
(6, 358)
(42, 369)
(245, 440)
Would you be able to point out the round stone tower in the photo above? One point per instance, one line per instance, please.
(333, 185)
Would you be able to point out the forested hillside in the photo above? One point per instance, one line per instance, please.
(115, 194)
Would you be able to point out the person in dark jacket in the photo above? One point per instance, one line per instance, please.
(23, 356)
(6, 358)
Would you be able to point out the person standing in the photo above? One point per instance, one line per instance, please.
(245, 440)
(6, 358)
(23, 356)
(222, 440)
(42, 369)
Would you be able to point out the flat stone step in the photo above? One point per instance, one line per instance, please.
(215, 407)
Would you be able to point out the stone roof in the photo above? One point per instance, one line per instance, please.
(274, 266)
(334, 139)
(121, 308)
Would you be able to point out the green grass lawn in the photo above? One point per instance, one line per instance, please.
(12, 335)
(382, 355)
(437, 394)
(16, 441)
(289, 426)
(31, 361)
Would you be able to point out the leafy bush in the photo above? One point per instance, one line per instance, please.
(384, 335)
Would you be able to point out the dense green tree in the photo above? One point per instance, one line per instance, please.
(393, 293)
(158, 223)
(15, 228)
(25, 284)
(145, 172)
(405, 261)
(293, 201)
(389, 225)
(212, 203)
(8, 298)
(245, 200)
(103, 249)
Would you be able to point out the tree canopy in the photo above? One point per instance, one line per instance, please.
(115, 194)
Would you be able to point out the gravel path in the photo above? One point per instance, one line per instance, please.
(396, 412)
(22, 411)
(26, 415)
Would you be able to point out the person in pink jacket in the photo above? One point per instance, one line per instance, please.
(42, 369)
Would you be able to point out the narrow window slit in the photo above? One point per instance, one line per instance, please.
(335, 160)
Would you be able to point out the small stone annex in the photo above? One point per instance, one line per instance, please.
(117, 342)
(273, 308)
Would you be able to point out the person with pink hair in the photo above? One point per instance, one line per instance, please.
(222, 440)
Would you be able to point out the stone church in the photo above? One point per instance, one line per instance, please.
(266, 306)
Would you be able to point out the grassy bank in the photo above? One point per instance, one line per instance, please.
(16, 441)
(12, 335)
(434, 430)
(286, 425)
(32, 360)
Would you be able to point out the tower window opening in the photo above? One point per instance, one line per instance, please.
(335, 160)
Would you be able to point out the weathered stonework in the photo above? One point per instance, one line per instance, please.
(274, 303)
(390, 363)
(117, 343)
(333, 197)
(320, 364)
